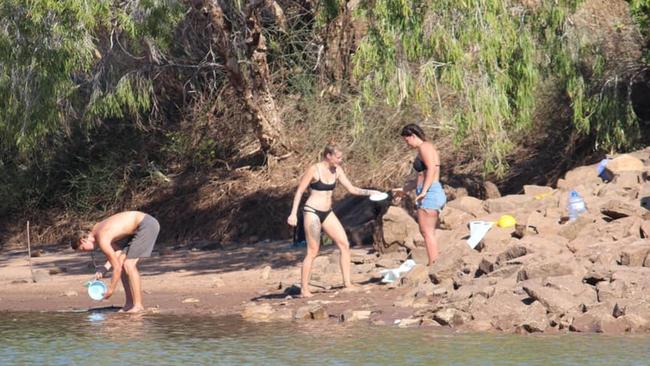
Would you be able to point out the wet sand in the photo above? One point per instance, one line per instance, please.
(186, 281)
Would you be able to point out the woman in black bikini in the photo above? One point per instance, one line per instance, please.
(317, 213)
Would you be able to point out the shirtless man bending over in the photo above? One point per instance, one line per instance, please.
(124, 238)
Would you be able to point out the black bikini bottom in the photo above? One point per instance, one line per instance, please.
(322, 215)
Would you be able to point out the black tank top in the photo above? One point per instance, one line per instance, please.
(319, 185)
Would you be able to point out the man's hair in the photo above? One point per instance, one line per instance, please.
(76, 242)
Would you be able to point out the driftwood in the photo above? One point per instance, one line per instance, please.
(29, 254)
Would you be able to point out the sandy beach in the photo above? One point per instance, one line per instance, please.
(187, 281)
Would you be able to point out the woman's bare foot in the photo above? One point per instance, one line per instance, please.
(135, 309)
(306, 294)
(351, 288)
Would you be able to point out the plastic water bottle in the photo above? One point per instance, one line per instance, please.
(600, 169)
(576, 205)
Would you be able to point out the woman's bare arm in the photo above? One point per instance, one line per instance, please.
(302, 186)
(351, 188)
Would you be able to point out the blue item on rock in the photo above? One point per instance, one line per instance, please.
(600, 169)
(576, 205)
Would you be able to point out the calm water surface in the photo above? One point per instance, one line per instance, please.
(116, 339)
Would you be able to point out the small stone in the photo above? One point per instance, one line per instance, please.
(190, 300)
(41, 275)
(218, 282)
(57, 270)
(70, 293)
(266, 272)
(409, 322)
(302, 313)
(318, 313)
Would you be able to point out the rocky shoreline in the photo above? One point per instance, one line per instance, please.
(545, 274)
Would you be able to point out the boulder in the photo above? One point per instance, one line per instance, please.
(624, 163)
(616, 209)
(628, 180)
(398, 227)
(507, 311)
(264, 313)
(555, 266)
(355, 315)
(555, 301)
(619, 229)
(419, 275)
(452, 257)
(451, 317)
(453, 218)
(471, 205)
(491, 190)
(579, 176)
(507, 204)
(538, 192)
(634, 254)
(496, 240)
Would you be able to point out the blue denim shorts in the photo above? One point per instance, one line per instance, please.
(435, 198)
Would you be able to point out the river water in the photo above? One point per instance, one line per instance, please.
(118, 339)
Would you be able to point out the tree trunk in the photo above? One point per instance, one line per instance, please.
(238, 39)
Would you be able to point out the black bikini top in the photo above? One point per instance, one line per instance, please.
(419, 165)
(319, 185)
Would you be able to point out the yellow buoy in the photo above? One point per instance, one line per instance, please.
(506, 221)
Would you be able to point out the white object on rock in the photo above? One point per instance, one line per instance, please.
(477, 230)
(379, 196)
(392, 275)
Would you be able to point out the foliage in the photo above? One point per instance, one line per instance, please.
(472, 69)
(70, 65)
(641, 12)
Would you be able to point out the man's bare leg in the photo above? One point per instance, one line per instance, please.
(128, 304)
(131, 269)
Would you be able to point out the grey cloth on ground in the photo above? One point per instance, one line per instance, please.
(142, 242)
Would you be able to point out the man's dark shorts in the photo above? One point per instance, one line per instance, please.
(144, 239)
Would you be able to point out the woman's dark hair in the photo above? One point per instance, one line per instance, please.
(413, 129)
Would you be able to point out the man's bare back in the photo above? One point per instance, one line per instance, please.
(118, 226)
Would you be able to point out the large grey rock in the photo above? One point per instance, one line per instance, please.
(471, 205)
(453, 218)
(555, 301)
(451, 317)
(399, 228)
(617, 209)
(507, 204)
(579, 176)
(624, 163)
(634, 254)
(419, 275)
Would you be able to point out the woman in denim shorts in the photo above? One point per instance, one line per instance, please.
(430, 197)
